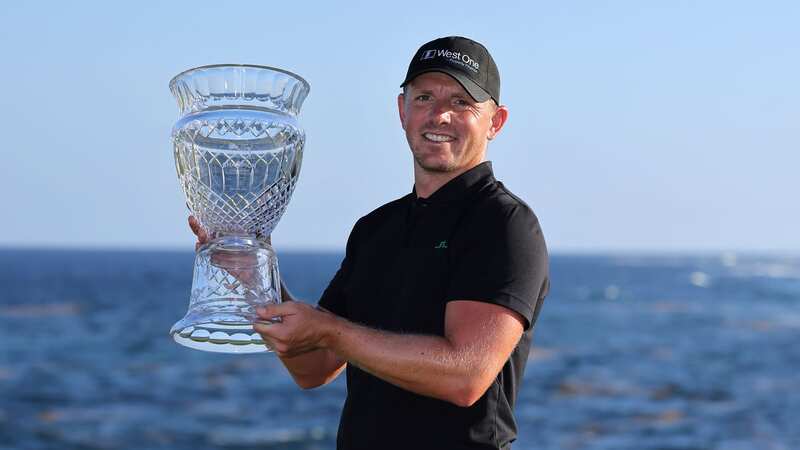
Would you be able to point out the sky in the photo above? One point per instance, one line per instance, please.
(634, 126)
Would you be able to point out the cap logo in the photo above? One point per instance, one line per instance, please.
(459, 58)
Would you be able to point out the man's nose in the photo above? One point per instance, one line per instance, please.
(441, 112)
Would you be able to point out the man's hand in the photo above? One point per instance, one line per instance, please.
(302, 328)
(199, 231)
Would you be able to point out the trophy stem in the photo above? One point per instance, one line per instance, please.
(233, 275)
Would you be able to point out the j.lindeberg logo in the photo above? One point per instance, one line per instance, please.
(457, 57)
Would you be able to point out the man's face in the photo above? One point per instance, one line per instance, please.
(447, 129)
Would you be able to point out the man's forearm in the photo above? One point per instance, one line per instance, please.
(314, 368)
(457, 367)
(427, 365)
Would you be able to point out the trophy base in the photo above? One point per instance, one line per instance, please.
(221, 333)
(232, 277)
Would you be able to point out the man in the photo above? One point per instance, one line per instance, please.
(432, 310)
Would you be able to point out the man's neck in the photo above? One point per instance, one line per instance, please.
(427, 182)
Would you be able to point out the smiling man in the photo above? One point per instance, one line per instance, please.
(432, 310)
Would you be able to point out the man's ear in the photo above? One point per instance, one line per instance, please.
(401, 108)
(499, 119)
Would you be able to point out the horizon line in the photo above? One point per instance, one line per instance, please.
(556, 251)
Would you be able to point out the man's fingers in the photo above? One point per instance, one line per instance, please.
(198, 230)
(194, 225)
(283, 329)
(272, 310)
(263, 328)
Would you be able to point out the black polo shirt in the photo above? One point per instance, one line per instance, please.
(470, 240)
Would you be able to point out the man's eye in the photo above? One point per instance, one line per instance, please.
(423, 98)
(461, 102)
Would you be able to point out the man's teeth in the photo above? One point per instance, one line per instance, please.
(437, 137)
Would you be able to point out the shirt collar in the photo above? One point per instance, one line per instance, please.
(458, 187)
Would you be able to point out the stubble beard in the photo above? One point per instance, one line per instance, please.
(454, 163)
(443, 167)
(434, 167)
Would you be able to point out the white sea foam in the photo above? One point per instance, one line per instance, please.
(700, 279)
(611, 292)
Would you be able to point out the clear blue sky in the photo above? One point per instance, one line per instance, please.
(634, 125)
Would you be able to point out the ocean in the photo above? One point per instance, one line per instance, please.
(630, 352)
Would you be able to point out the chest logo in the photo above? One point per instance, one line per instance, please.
(441, 244)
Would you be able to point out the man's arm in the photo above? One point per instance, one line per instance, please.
(315, 367)
(457, 367)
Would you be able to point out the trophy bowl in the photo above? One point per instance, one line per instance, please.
(238, 149)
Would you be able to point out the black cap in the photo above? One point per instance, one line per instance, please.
(463, 59)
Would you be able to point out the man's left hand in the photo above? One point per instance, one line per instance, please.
(301, 328)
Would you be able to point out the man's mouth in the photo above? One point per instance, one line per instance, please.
(434, 137)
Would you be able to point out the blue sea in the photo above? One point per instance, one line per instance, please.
(630, 352)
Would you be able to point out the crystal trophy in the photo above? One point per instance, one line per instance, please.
(238, 148)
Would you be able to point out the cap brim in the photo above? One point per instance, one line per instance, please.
(476, 92)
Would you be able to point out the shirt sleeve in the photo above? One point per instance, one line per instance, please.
(333, 298)
(502, 259)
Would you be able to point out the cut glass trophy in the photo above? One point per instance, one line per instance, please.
(238, 149)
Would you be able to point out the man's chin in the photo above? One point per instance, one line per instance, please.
(432, 165)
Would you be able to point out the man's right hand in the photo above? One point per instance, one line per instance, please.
(199, 231)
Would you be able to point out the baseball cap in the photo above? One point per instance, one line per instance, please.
(467, 61)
